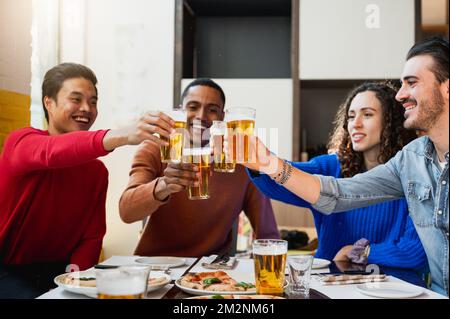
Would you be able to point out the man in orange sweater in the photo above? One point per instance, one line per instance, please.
(178, 226)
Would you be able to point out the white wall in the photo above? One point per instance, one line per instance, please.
(15, 45)
(272, 99)
(129, 45)
(340, 40)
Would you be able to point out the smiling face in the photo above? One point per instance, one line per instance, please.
(365, 122)
(75, 107)
(203, 105)
(421, 94)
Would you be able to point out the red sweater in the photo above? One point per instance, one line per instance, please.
(52, 197)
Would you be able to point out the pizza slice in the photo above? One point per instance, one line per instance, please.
(214, 281)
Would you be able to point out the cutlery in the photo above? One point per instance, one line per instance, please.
(105, 266)
(221, 264)
(220, 258)
(225, 259)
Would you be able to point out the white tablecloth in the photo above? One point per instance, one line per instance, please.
(244, 272)
(246, 267)
(60, 293)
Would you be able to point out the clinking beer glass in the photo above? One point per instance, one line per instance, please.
(221, 164)
(241, 125)
(202, 158)
(173, 152)
(270, 261)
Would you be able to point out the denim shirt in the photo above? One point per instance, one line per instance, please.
(414, 173)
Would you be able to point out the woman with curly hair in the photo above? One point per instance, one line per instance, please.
(368, 132)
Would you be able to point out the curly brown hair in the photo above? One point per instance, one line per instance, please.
(393, 135)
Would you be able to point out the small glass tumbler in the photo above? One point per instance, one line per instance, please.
(300, 274)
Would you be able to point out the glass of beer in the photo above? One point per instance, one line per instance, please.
(201, 157)
(270, 261)
(173, 152)
(221, 164)
(241, 125)
(124, 282)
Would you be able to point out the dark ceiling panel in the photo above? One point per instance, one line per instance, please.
(240, 7)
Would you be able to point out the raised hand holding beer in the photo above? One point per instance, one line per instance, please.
(147, 127)
(177, 177)
(260, 157)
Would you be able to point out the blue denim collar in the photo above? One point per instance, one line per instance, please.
(429, 149)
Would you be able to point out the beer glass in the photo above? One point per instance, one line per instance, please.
(124, 282)
(201, 157)
(241, 125)
(270, 261)
(173, 152)
(217, 131)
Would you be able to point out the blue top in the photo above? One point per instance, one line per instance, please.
(415, 174)
(393, 239)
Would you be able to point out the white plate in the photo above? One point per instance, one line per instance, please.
(92, 291)
(390, 290)
(160, 261)
(238, 276)
(87, 291)
(320, 263)
(156, 286)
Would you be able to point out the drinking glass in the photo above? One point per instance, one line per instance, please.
(300, 273)
(172, 153)
(124, 282)
(270, 261)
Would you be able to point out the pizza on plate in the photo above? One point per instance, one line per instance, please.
(89, 281)
(214, 281)
(75, 280)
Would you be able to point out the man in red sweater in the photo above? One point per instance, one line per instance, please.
(53, 187)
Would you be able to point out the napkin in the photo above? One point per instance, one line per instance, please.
(350, 279)
(230, 264)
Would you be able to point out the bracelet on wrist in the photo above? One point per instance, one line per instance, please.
(283, 176)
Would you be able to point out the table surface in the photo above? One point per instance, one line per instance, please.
(245, 265)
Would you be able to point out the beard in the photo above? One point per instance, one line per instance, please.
(429, 111)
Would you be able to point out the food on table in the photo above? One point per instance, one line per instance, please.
(88, 281)
(214, 281)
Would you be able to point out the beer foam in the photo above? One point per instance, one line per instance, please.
(197, 151)
(217, 131)
(273, 249)
(177, 115)
(240, 114)
(121, 286)
(122, 281)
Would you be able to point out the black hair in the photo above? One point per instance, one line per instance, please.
(437, 48)
(204, 82)
(55, 77)
(393, 135)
